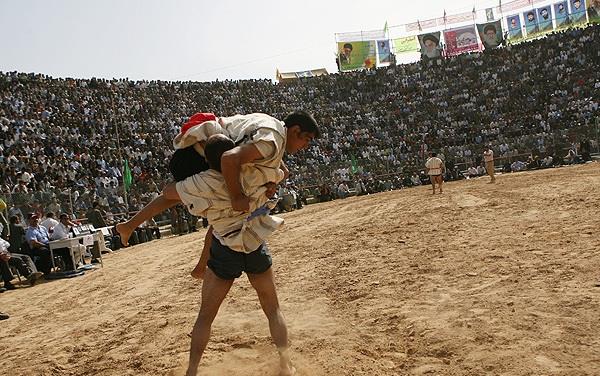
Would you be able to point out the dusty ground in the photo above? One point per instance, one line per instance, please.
(484, 279)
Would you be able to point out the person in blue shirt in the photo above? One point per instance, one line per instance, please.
(37, 238)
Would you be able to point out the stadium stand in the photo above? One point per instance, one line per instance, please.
(59, 149)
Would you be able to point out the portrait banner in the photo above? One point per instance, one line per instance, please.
(578, 14)
(430, 45)
(461, 40)
(594, 11)
(515, 31)
(561, 15)
(544, 19)
(490, 34)
(356, 55)
(489, 14)
(407, 44)
(531, 26)
(383, 52)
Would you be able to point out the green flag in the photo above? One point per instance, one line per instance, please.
(127, 178)
(354, 166)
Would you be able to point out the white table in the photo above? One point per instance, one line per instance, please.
(69, 243)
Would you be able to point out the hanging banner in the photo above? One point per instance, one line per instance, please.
(430, 45)
(490, 34)
(489, 14)
(531, 26)
(384, 52)
(408, 44)
(515, 32)
(578, 11)
(561, 14)
(461, 40)
(356, 55)
(544, 19)
(360, 36)
(594, 11)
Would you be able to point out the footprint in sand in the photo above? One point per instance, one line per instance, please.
(466, 200)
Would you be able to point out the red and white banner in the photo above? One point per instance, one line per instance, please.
(461, 40)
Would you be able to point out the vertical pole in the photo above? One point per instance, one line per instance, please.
(121, 166)
(71, 202)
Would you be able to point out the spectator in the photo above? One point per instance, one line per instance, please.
(49, 222)
(54, 131)
(21, 262)
(37, 238)
(415, 180)
(63, 230)
(343, 190)
(94, 216)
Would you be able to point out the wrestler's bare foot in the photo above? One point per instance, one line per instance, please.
(125, 232)
(287, 369)
(290, 371)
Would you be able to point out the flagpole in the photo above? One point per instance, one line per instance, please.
(473, 15)
(121, 165)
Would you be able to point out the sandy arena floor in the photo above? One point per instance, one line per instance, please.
(482, 280)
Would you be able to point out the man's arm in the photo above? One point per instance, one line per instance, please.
(36, 244)
(231, 163)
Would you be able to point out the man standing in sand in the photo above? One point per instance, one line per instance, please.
(488, 157)
(434, 167)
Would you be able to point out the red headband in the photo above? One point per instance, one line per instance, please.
(197, 118)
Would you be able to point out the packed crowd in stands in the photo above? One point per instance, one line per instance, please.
(63, 140)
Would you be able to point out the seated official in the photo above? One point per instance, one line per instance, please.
(38, 238)
(63, 230)
(49, 222)
(22, 263)
(17, 234)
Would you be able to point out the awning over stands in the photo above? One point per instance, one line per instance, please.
(293, 76)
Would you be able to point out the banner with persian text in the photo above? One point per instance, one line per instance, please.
(408, 44)
(461, 40)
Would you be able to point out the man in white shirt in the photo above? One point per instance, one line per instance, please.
(488, 157)
(472, 172)
(434, 167)
(63, 231)
(49, 222)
